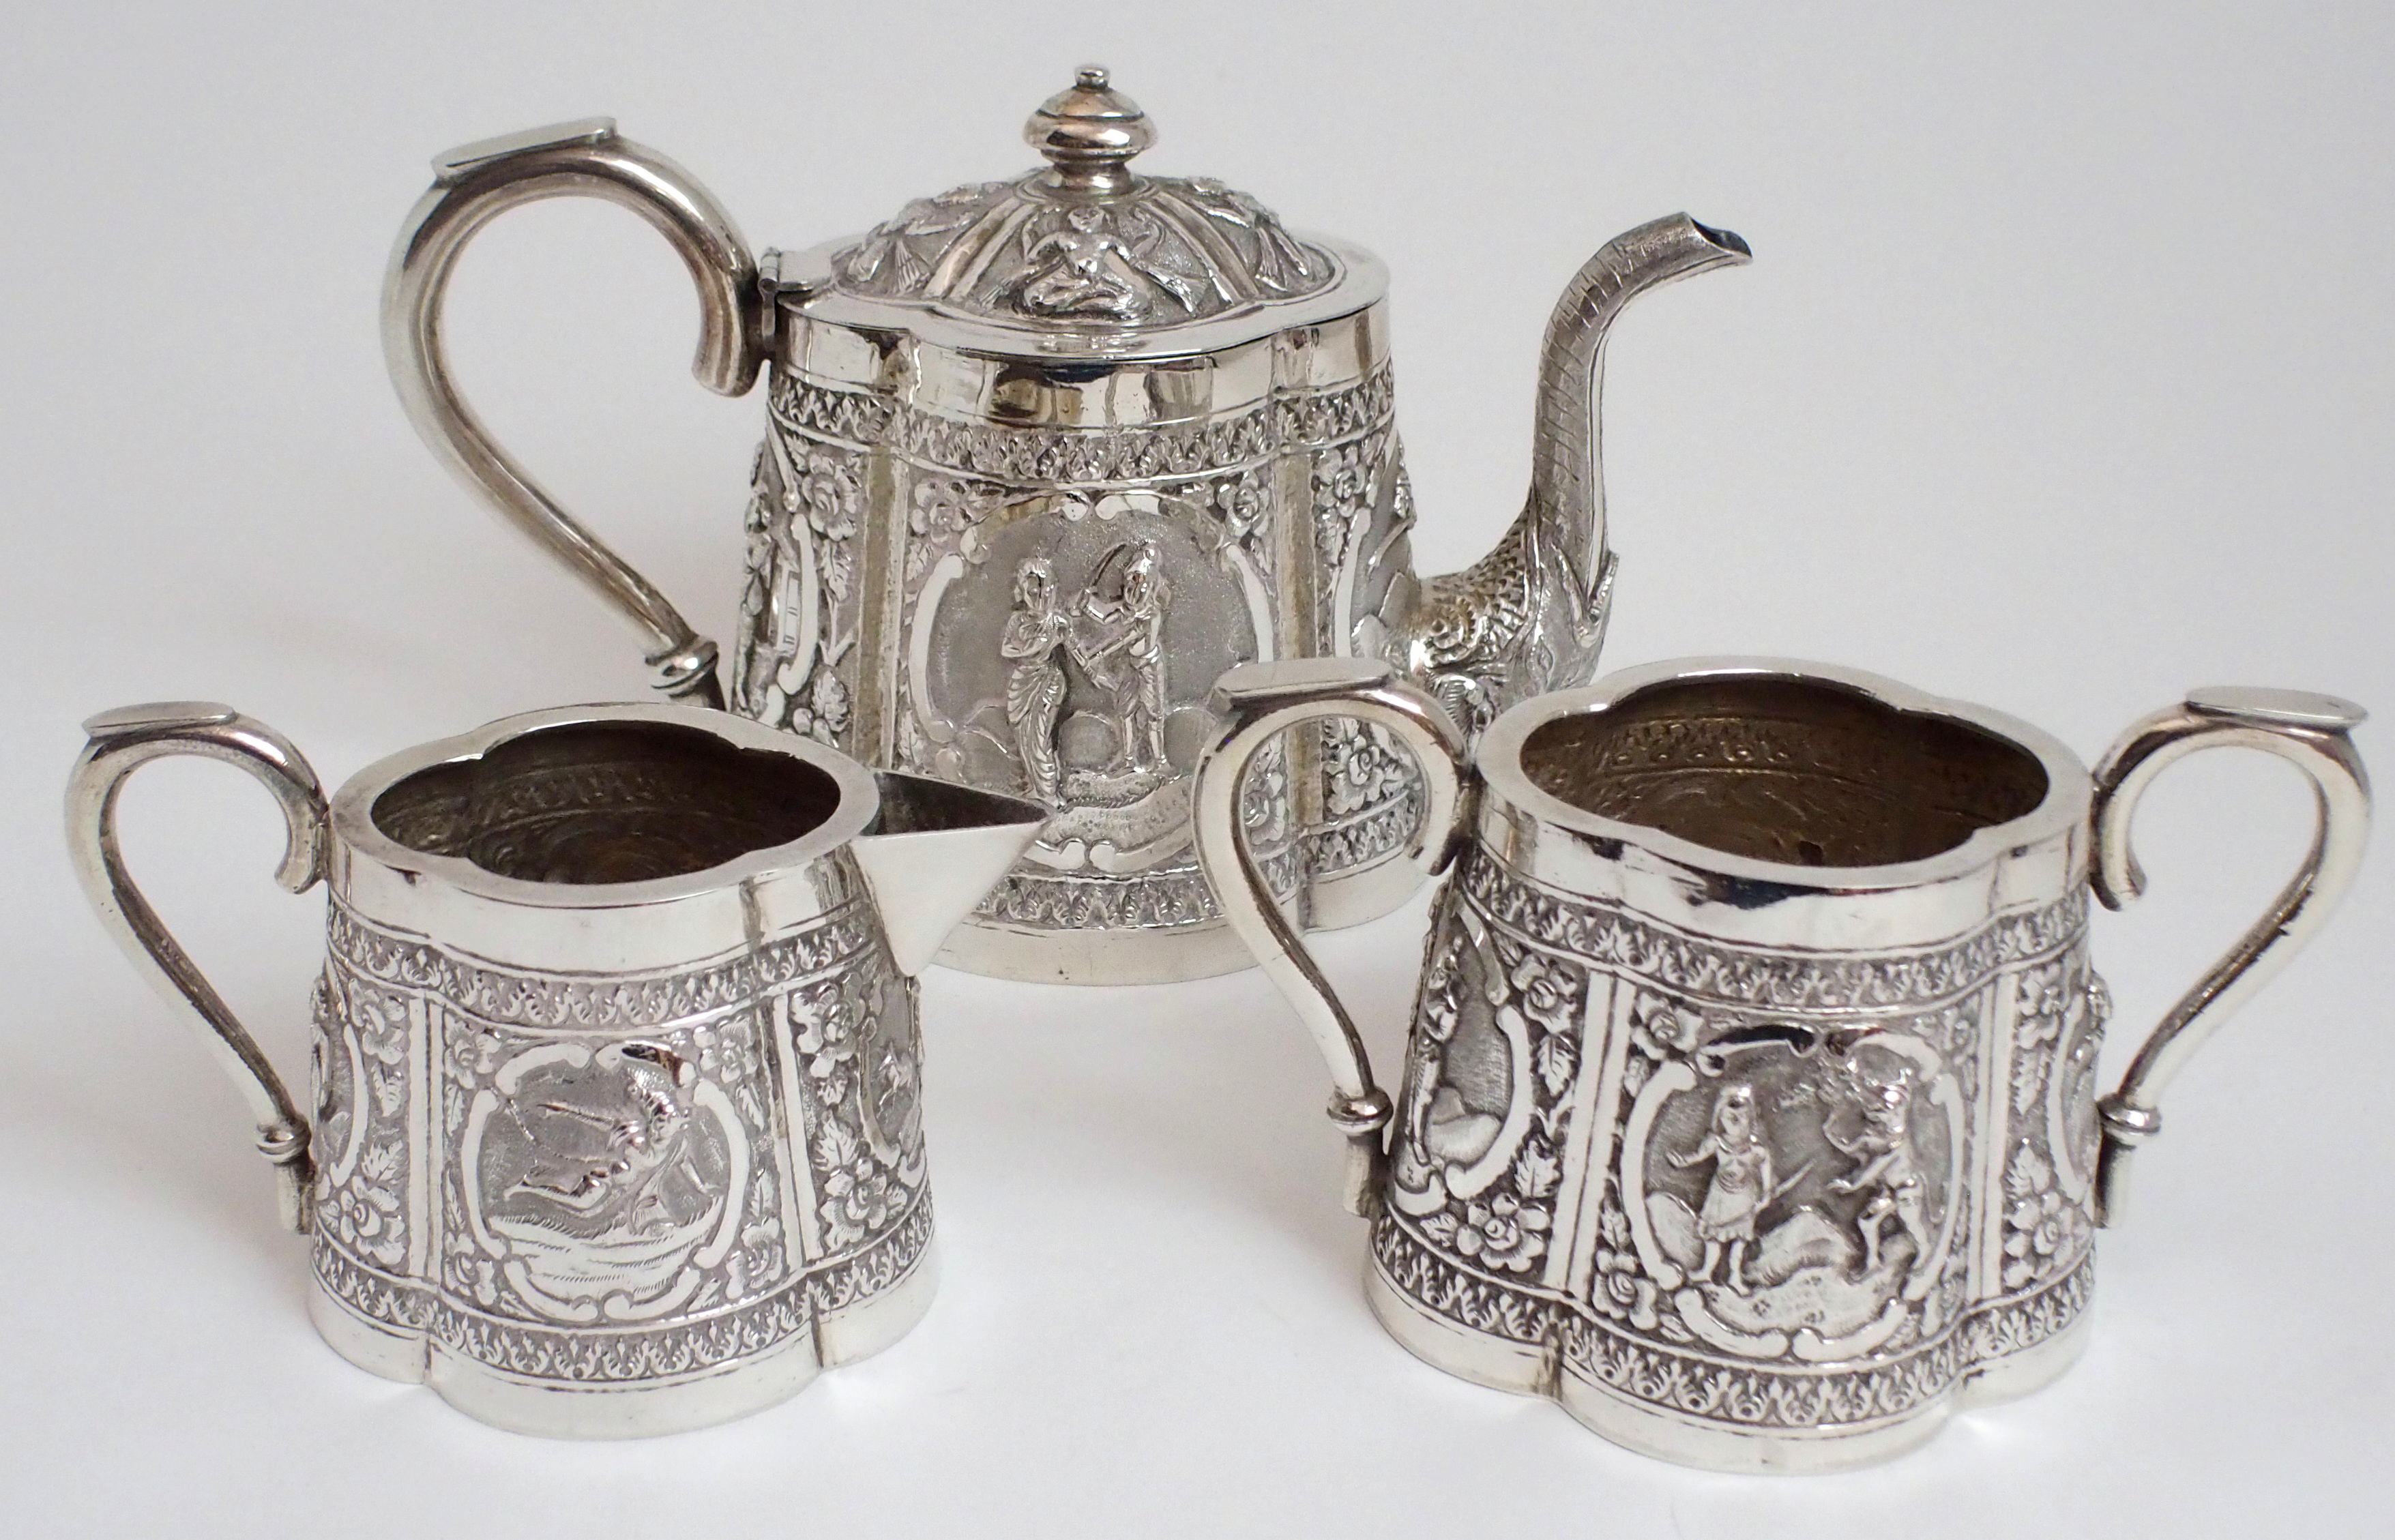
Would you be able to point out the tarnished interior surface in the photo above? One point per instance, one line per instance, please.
(1802, 771)
(605, 802)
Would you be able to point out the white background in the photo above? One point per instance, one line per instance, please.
(2061, 382)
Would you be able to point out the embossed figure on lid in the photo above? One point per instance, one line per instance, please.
(1046, 455)
(1087, 242)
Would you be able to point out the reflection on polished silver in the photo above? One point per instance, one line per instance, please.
(2310, 731)
(1258, 703)
(471, 186)
(1045, 456)
(1750, 1107)
(616, 1070)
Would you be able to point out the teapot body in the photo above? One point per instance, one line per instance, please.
(1025, 574)
(1044, 458)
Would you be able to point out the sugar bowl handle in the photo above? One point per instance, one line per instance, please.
(1254, 703)
(2313, 734)
(471, 186)
(122, 742)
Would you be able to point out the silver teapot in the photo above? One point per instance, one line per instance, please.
(1045, 456)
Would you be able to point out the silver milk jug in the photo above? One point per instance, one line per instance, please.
(1750, 1109)
(617, 1078)
(1043, 458)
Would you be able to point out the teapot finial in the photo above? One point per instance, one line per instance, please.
(1088, 134)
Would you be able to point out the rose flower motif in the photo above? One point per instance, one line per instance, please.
(1502, 1234)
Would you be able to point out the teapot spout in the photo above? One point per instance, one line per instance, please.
(934, 852)
(1531, 615)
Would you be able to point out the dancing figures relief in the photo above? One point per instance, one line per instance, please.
(1742, 1185)
(1064, 597)
(1781, 1191)
(1036, 632)
(1114, 637)
(1791, 1193)
(1063, 647)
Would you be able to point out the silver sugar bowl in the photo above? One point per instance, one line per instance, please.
(1751, 1107)
(1044, 458)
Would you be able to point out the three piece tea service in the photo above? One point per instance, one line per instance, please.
(1750, 1109)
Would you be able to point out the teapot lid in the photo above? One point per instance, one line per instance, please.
(1088, 254)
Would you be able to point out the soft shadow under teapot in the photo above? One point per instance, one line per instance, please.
(1044, 458)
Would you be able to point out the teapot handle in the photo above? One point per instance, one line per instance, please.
(122, 742)
(472, 186)
(1256, 704)
(2312, 732)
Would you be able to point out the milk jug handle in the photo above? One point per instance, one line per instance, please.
(1254, 705)
(120, 742)
(2313, 734)
(474, 185)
